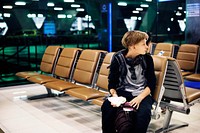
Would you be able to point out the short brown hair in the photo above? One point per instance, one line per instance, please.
(133, 37)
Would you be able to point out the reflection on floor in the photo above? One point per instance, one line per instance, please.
(62, 114)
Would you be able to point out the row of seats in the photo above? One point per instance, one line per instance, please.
(84, 73)
(187, 56)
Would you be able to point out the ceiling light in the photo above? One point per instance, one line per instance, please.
(144, 5)
(6, 15)
(58, 8)
(75, 5)
(133, 18)
(135, 11)
(80, 9)
(149, 0)
(180, 8)
(178, 14)
(40, 15)
(50, 4)
(31, 15)
(69, 16)
(7, 7)
(139, 9)
(69, 0)
(61, 16)
(20, 3)
(139, 18)
(122, 4)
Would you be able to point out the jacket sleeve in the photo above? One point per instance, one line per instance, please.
(150, 74)
(113, 78)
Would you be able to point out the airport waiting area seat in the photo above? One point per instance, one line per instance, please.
(167, 48)
(179, 98)
(47, 63)
(85, 71)
(187, 58)
(101, 88)
(64, 67)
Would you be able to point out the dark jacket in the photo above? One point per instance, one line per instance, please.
(117, 70)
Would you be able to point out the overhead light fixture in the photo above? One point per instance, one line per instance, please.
(135, 11)
(50, 4)
(80, 9)
(139, 18)
(7, 7)
(58, 8)
(20, 3)
(40, 15)
(61, 16)
(178, 14)
(31, 15)
(75, 5)
(144, 5)
(69, 0)
(149, 0)
(133, 18)
(6, 15)
(122, 4)
(69, 16)
(180, 8)
(139, 9)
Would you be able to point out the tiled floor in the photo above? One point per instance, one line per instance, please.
(63, 114)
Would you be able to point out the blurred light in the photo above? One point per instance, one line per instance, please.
(80, 9)
(61, 16)
(135, 11)
(139, 9)
(50, 4)
(6, 15)
(75, 5)
(7, 7)
(178, 14)
(69, 1)
(182, 25)
(133, 18)
(0, 14)
(20, 3)
(180, 8)
(122, 4)
(144, 5)
(168, 29)
(31, 15)
(69, 16)
(139, 18)
(172, 19)
(40, 15)
(58, 8)
(149, 0)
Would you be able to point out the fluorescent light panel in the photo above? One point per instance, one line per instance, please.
(50, 4)
(122, 4)
(20, 3)
(61, 16)
(75, 5)
(80, 9)
(7, 7)
(58, 8)
(69, 0)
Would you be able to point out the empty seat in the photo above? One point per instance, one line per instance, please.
(47, 64)
(187, 57)
(86, 93)
(168, 49)
(64, 67)
(84, 73)
(179, 98)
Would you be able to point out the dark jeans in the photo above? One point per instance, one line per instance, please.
(141, 118)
